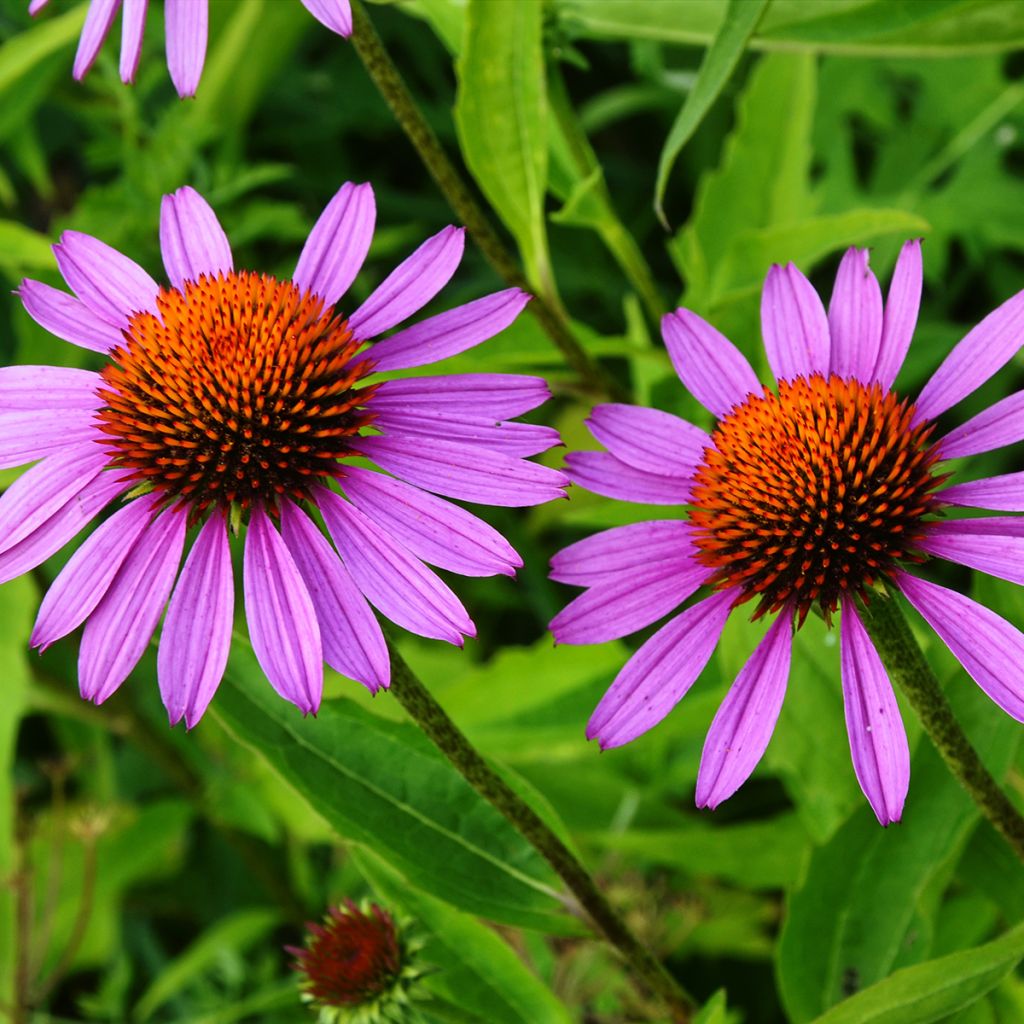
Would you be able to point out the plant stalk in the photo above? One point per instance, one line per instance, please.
(899, 651)
(446, 735)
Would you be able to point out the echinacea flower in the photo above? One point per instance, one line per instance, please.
(186, 24)
(232, 397)
(804, 497)
(359, 966)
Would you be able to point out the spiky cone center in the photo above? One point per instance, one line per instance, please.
(242, 389)
(813, 494)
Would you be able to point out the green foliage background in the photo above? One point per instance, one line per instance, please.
(174, 866)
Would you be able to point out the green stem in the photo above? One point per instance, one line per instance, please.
(902, 656)
(390, 84)
(432, 719)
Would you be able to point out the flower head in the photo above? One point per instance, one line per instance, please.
(232, 398)
(186, 28)
(807, 495)
(358, 966)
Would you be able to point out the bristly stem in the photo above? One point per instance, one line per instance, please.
(907, 666)
(446, 735)
(390, 84)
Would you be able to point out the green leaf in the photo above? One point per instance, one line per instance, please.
(479, 972)
(385, 785)
(22, 249)
(25, 51)
(741, 18)
(933, 990)
(501, 119)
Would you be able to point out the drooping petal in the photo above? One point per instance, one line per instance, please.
(82, 583)
(794, 325)
(661, 672)
(711, 367)
(449, 333)
(36, 6)
(604, 474)
(988, 647)
(501, 395)
(67, 318)
(119, 629)
(649, 439)
(622, 549)
(878, 741)
(995, 427)
(994, 545)
(352, 638)
(192, 241)
(746, 719)
(900, 318)
(855, 318)
(108, 282)
(186, 28)
(335, 14)
(982, 352)
(627, 602)
(515, 439)
(98, 20)
(196, 637)
(411, 285)
(282, 619)
(338, 244)
(133, 27)
(25, 388)
(461, 471)
(27, 436)
(69, 519)
(45, 488)
(1000, 493)
(395, 582)
(431, 528)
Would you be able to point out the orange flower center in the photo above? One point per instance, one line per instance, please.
(813, 494)
(242, 389)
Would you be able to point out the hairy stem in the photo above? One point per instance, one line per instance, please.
(392, 87)
(432, 719)
(907, 666)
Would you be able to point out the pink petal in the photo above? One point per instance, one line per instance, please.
(794, 325)
(432, 529)
(995, 427)
(1001, 493)
(746, 719)
(186, 28)
(82, 583)
(659, 675)
(713, 370)
(282, 620)
(36, 6)
(335, 14)
(855, 318)
(109, 283)
(25, 388)
(352, 639)
(191, 239)
(602, 473)
(900, 318)
(988, 647)
(627, 602)
(515, 439)
(119, 630)
(133, 26)
(878, 741)
(97, 24)
(992, 545)
(27, 436)
(395, 582)
(450, 333)
(501, 395)
(411, 285)
(977, 357)
(196, 637)
(338, 244)
(649, 439)
(622, 549)
(68, 318)
(465, 472)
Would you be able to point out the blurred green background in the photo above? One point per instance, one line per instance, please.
(153, 875)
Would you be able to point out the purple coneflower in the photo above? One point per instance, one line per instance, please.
(231, 396)
(186, 23)
(806, 496)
